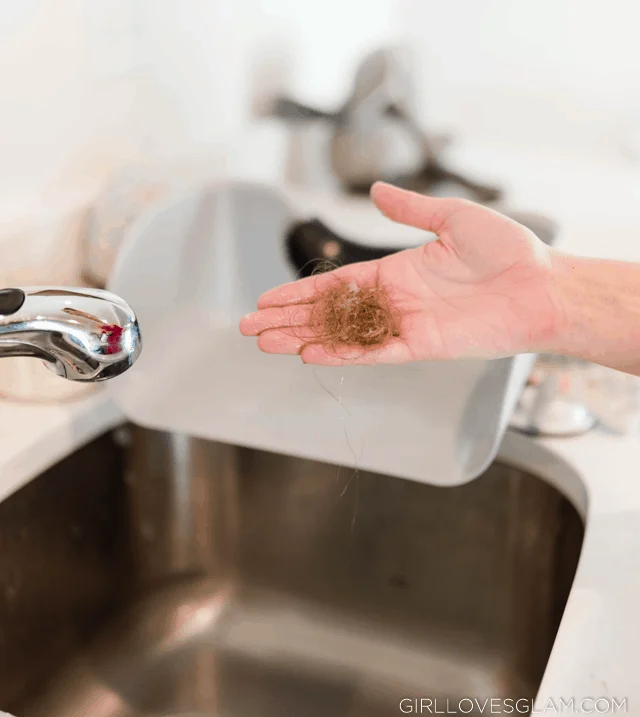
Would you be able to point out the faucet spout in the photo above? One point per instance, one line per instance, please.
(81, 334)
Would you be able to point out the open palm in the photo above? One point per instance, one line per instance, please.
(483, 289)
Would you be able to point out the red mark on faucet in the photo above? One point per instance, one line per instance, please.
(113, 333)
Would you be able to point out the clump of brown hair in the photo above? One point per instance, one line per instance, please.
(346, 314)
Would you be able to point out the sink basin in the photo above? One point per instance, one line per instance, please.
(155, 574)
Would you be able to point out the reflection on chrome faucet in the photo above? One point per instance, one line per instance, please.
(80, 334)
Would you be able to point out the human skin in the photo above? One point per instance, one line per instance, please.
(486, 288)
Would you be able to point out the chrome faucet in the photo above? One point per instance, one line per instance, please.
(81, 334)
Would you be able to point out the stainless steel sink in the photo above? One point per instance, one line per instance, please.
(164, 575)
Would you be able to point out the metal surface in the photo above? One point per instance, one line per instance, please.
(194, 578)
(375, 134)
(546, 408)
(369, 142)
(81, 334)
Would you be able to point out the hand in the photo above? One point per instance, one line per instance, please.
(485, 288)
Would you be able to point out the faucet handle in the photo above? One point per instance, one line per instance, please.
(11, 300)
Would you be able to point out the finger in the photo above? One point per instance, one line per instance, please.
(305, 290)
(413, 209)
(275, 318)
(394, 352)
(283, 341)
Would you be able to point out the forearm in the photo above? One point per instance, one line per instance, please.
(599, 307)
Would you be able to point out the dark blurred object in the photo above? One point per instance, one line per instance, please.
(376, 136)
(310, 244)
(291, 110)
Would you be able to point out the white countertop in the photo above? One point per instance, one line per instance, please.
(35, 437)
(596, 652)
(597, 649)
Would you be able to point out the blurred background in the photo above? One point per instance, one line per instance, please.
(135, 98)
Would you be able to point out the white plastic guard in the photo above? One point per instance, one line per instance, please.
(195, 266)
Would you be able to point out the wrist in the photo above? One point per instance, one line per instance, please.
(567, 288)
(553, 315)
(597, 304)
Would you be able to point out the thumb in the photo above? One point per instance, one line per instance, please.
(413, 209)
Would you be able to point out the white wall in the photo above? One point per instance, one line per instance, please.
(87, 85)
(208, 64)
(556, 74)
(66, 108)
(62, 121)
